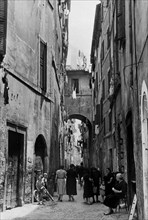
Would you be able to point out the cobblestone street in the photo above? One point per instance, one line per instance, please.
(65, 210)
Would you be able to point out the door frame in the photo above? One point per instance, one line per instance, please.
(21, 130)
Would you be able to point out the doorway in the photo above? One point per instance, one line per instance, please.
(130, 160)
(41, 157)
(14, 189)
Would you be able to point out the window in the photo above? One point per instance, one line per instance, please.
(104, 127)
(102, 14)
(121, 20)
(98, 109)
(3, 23)
(75, 85)
(43, 65)
(103, 90)
(101, 111)
(110, 121)
(108, 38)
(109, 79)
(102, 51)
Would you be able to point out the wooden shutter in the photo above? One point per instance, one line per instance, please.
(102, 51)
(121, 19)
(43, 65)
(97, 116)
(3, 23)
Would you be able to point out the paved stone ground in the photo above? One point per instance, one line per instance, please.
(65, 210)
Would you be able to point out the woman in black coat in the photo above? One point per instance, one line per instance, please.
(118, 192)
(71, 188)
(88, 187)
(109, 181)
(96, 177)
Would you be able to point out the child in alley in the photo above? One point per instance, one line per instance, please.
(40, 189)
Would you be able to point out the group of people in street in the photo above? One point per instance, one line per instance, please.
(107, 190)
(69, 186)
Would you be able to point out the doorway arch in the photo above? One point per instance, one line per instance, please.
(87, 139)
(144, 131)
(40, 154)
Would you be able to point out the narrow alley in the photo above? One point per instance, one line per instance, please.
(73, 105)
(63, 211)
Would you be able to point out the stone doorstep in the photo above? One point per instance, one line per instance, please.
(18, 211)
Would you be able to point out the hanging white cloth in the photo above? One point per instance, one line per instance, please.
(74, 94)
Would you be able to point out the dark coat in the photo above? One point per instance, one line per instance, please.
(71, 182)
(109, 180)
(88, 186)
(112, 200)
(96, 176)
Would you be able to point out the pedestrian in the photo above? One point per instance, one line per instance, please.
(71, 183)
(44, 180)
(109, 181)
(40, 189)
(96, 177)
(80, 174)
(60, 180)
(88, 187)
(118, 192)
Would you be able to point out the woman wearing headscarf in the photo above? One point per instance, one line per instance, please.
(118, 192)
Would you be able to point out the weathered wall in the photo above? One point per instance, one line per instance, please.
(28, 107)
(141, 38)
(82, 105)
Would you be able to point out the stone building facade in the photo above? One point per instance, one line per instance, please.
(118, 56)
(78, 104)
(33, 52)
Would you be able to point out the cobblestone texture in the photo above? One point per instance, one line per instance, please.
(65, 210)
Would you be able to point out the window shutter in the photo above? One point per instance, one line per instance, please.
(121, 19)
(3, 23)
(97, 117)
(43, 66)
(102, 51)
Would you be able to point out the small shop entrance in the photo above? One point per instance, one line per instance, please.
(14, 189)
